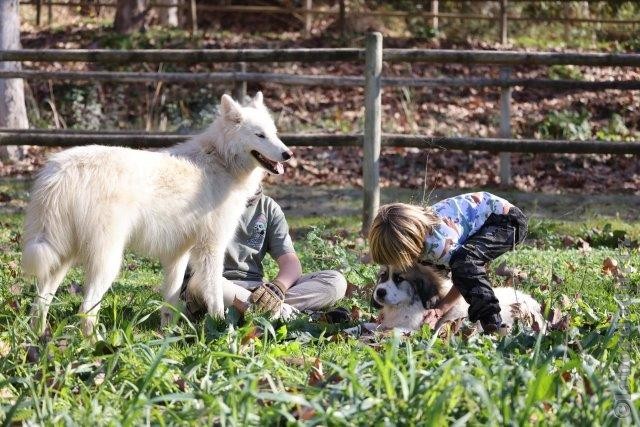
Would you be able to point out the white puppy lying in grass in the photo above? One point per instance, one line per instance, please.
(405, 297)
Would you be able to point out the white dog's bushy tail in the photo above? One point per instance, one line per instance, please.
(39, 258)
(42, 252)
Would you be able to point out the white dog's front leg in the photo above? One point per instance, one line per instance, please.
(173, 276)
(207, 276)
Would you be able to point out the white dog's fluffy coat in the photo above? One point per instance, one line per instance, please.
(89, 203)
(404, 298)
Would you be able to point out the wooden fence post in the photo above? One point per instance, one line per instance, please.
(342, 18)
(193, 13)
(38, 11)
(503, 22)
(505, 127)
(308, 17)
(434, 18)
(372, 129)
(240, 87)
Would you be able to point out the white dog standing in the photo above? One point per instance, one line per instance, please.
(89, 203)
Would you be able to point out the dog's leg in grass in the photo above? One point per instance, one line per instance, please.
(101, 269)
(47, 287)
(173, 275)
(207, 279)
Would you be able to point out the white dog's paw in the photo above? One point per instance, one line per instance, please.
(287, 312)
(216, 311)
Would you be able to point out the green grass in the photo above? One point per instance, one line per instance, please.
(211, 372)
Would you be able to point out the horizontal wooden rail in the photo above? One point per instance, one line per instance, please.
(512, 145)
(315, 80)
(57, 138)
(184, 56)
(263, 9)
(512, 58)
(185, 77)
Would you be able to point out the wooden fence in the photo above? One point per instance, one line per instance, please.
(307, 13)
(372, 139)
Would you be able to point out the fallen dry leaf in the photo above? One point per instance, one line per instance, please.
(356, 313)
(33, 354)
(304, 413)
(450, 328)
(180, 382)
(99, 378)
(610, 267)
(583, 245)
(351, 288)
(316, 376)
(560, 325)
(568, 242)
(558, 280)
(587, 386)
(251, 335)
(295, 361)
(15, 289)
(5, 348)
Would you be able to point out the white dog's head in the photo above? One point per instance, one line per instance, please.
(250, 135)
(396, 288)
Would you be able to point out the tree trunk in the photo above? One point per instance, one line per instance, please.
(13, 111)
(129, 16)
(169, 15)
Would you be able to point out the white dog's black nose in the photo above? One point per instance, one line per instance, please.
(286, 155)
(381, 292)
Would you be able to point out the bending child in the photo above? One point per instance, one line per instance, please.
(460, 234)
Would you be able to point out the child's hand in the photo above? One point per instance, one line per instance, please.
(432, 316)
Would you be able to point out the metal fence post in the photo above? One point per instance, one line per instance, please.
(505, 127)
(240, 86)
(372, 129)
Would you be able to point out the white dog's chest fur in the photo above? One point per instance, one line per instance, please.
(405, 316)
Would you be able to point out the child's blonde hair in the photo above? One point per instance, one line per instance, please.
(397, 234)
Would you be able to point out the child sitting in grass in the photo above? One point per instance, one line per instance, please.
(460, 234)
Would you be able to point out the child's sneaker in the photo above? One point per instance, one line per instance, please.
(493, 324)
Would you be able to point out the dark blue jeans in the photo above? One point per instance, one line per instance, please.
(499, 234)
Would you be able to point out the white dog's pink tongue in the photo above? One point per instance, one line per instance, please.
(279, 168)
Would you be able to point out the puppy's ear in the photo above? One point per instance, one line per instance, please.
(231, 110)
(425, 292)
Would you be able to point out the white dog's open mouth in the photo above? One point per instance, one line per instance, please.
(275, 168)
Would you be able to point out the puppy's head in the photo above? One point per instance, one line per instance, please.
(395, 288)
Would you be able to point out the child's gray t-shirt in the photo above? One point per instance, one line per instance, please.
(263, 229)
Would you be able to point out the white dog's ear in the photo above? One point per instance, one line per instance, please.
(231, 110)
(257, 100)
